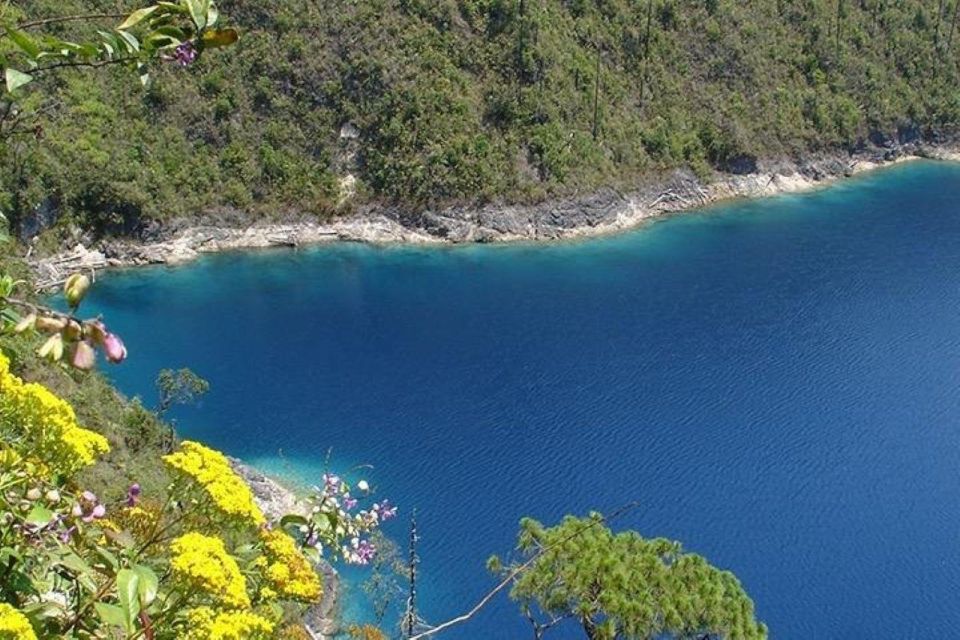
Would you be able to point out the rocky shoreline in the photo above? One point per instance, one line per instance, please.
(275, 500)
(603, 212)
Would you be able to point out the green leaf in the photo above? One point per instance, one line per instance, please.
(16, 79)
(82, 571)
(213, 14)
(164, 37)
(130, 40)
(128, 592)
(137, 17)
(39, 516)
(111, 614)
(293, 519)
(220, 38)
(122, 538)
(149, 583)
(198, 12)
(25, 42)
(39, 612)
(172, 7)
(107, 560)
(144, 72)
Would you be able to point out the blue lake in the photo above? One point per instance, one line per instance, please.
(776, 381)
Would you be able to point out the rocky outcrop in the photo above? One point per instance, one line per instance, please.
(601, 212)
(275, 501)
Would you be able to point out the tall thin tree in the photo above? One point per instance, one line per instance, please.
(410, 617)
(953, 26)
(646, 51)
(839, 26)
(596, 96)
(936, 31)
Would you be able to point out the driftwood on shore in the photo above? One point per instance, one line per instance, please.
(51, 273)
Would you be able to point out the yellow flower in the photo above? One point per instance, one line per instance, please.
(207, 624)
(14, 625)
(266, 593)
(202, 562)
(211, 470)
(288, 571)
(41, 424)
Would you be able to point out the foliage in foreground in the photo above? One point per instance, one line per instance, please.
(461, 99)
(198, 561)
(623, 586)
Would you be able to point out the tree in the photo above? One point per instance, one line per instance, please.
(622, 586)
(179, 387)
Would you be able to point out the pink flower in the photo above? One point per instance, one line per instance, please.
(114, 348)
(98, 512)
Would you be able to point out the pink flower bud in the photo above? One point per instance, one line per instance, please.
(95, 331)
(83, 357)
(114, 349)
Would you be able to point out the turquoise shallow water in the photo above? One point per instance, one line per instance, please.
(777, 381)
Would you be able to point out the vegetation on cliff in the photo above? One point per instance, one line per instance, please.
(109, 527)
(457, 100)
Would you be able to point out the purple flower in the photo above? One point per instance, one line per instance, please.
(114, 348)
(365, 552)
(67, 534)
(133, 494)
(386, 510)
(185, 54)
(331, 483)
(348, 502)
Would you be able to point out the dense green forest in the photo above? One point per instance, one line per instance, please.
(428, 101)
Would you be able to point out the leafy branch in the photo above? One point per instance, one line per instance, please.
(169, 31)
(514, 573)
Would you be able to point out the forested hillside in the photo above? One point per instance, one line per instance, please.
(460, 100)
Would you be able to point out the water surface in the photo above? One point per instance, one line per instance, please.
(778, 383)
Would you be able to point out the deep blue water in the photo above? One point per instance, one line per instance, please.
(777, 381)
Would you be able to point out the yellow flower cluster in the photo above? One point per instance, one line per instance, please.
(14, 625)
(288, 571)
(207, 624)
(202, 562)
(211, 470)
(45, 425)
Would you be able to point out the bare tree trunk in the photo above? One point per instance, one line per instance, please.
(521, 46)
(646, 51)
(936, 31)
(596, 98)
(953, 26)
(839, 27)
